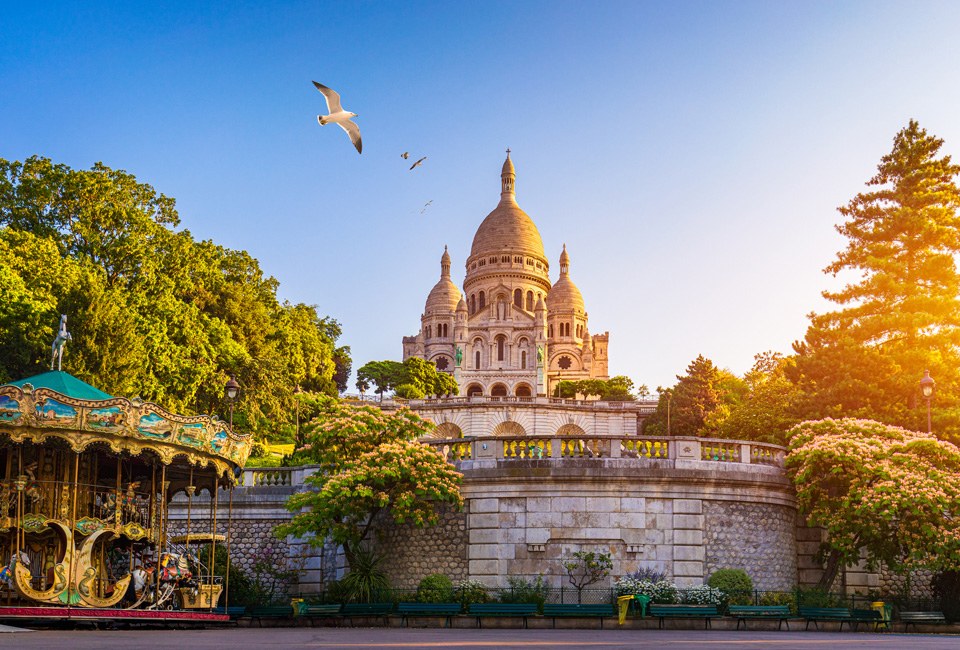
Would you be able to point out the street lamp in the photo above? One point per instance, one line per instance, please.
(231, 390)
(927, 387)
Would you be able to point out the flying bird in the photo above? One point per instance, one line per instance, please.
(418, 162)
(425, 206)
(339, 116)
(405, 155)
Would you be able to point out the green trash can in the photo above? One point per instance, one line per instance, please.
(643, 600)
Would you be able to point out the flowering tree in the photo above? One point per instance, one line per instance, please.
(370, 462)
(888, 491)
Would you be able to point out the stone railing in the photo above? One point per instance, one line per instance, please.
(711, 450)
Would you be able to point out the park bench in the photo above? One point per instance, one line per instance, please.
(706, 612)
(580, 611)
(496, 609)
(925, 618)
(275, 611)
(407, 610)
(780, 613)
(233, 612)
(331, 611)
(376, 610)
(867, 616)
(815, 614)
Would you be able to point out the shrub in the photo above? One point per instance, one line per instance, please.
(471, 591)
(701, 595)
(818, 598)
(435, 588)
(366, 579)
(730, 580)
(520, 590)
(660, 593)
(768, 598)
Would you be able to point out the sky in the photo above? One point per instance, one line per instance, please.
(691, 155)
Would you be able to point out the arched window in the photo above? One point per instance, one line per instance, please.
(522, 390)
(476, 364)
(474, 389)
(518, 298)
(473, 304)
(523, 360)
(550, 332)
(483, 300)
(501, 344)
(529, 301)
(498, 390)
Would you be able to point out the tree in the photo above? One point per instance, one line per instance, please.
(385, 375)
(889, 492)
(586, 569)
(153, 312)
(903, 314)
(565, 389)
(695, 396)
(767, 411)
(370, 462)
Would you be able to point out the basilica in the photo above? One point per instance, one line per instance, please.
(511, 332)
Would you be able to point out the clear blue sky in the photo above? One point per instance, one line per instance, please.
(690, 154)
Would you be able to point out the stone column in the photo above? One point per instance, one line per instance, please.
(688, 552)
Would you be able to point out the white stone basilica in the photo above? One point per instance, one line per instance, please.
(513, 333)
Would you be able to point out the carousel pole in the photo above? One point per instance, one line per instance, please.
(20, 485)
(213, 537)
(226, 590)
(190, 490)
(163, 530)
(73, 516)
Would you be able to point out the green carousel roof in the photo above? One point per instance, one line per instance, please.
(64, 383)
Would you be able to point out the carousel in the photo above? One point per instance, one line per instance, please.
(85, 480)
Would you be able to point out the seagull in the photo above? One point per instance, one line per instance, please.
(339, 116)
(425, 206)
(418, 162)
(405, 155)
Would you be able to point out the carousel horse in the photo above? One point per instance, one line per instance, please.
(174, 574)
(56, 350)
(33, 486)
(6, 573)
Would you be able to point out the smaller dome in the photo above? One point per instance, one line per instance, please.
(564, 295)
(507, 165)
(444, 297)
(462, 305)
(445, 259)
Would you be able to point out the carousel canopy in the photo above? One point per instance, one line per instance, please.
(63, 383)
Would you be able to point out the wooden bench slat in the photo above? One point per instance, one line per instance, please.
(377, 610)
(816, 614)
(523, 610)
(925, 618)
(706, 612)
(600, 611)
(780, 613)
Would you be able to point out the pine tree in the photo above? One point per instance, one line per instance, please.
(903, 235)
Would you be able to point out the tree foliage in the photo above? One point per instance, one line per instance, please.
(587, 568)
(412, 379)
(153, 312)
(889, 492)
(370, 462)
(902, 315)
(698, 403)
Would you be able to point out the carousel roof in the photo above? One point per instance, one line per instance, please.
(64, 383)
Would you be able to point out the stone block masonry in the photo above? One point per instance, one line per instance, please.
(759, 538)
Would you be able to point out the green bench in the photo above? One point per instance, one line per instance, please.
(407, 610)
(706, 612)
(780, 613)
(492, 609)
(578, 611)
(331, 611)
(233, 612)
(867, 616)
(924, 618)
(376, 610)
(815, 614)
(276, 611)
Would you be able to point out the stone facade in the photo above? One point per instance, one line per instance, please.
(414, 553)
(756, 537)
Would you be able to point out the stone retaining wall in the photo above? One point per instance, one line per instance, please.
(756, 537)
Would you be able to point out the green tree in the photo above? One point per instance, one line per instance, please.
(692, 401)
(385, 375)
(766, 412)
(620, 389)
(902, 315)
(890, 493)
(370, 462)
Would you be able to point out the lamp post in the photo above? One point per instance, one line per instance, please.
(297, 393)
(927, 387)
(231, 390)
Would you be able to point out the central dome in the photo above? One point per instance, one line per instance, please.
(507, 228)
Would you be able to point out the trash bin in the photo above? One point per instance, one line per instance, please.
(623, 604)
(643, 599)
(886, 611)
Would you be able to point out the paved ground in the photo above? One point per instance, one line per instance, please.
(406, 639)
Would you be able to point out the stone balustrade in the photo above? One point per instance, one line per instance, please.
(708, 450)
